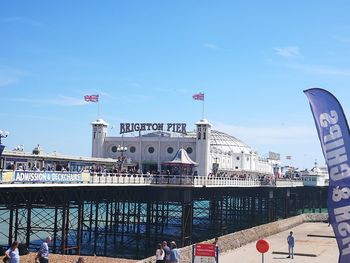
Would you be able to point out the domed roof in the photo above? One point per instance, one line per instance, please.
(225, 143)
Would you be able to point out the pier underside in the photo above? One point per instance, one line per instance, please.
(128, 221)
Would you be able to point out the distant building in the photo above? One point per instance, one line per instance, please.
(155, 144)
(317, 176)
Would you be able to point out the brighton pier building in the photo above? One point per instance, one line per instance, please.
(157, 144)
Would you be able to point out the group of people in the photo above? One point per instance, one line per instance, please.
(165, 254)
(12, 254)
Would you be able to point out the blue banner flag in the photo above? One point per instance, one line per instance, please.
(334, 135)
(2, 147)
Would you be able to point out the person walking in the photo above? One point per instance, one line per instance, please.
(43, 253)
(12, 254)
(174, 253)
(160, 254)
(166, 251)
(290, 240)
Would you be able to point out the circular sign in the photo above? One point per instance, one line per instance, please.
(262, 246)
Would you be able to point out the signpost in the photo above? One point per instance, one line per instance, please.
(205, 253)
(262, 246)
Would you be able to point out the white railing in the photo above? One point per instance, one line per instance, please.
(226, 181)
(98, 178)
(106, 178)
(288, 183)
(111, 178)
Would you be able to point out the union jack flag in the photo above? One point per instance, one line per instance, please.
(91, 98)
(198, 96)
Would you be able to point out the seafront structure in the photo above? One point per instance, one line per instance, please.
(114, 211)
(155, 144)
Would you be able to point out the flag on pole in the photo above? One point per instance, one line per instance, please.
(91, 98)
(198, 96)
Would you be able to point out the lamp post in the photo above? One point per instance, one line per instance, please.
(122, 149)
(3, 134)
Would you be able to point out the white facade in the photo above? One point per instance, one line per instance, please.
(99, 134)
(214, 151)
(317, 176)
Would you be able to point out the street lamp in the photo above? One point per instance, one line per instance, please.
(122, 149)
(3, 134)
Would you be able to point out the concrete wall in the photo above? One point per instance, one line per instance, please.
(241, 238)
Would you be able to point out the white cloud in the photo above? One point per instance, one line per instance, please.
(7, 81)
(67, 101)
(321, 70)
(10, 76)
(287, 52)
(278, 135)
(22, 19)
(60, 101)
(210, 45)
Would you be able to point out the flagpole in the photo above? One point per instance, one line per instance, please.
(98, 106)
(203, 108)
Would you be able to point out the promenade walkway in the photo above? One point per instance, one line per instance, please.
(314, 242)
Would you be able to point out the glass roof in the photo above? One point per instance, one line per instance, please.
(224, 143)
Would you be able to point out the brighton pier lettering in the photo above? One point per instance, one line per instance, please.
(138, 127)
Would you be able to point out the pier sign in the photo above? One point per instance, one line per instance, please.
(49, 177)
(138, 127)
(205, 253)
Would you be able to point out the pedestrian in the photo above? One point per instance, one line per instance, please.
(43, 253)
(174, 253)
(166, 251)
(12, 254)
(160, 254)
(290, 240)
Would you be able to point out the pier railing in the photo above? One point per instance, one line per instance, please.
(98, 178)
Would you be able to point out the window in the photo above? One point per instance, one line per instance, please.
(170, 150)
(237, 158)
(132, 149)
(151, 150)
(114, 149)
(189, 150)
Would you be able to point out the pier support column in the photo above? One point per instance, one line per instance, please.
(29, 223)
(187, 218)
(271, 206)
(10, 227)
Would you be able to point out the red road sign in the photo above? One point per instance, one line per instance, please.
(262, 246)
(205, 250)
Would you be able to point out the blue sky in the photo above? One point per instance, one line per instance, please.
(252, 59)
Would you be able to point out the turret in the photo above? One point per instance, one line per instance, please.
(203, 147)
(99, 133)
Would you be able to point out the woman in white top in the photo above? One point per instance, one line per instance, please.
(160, 254)
(12, 253)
